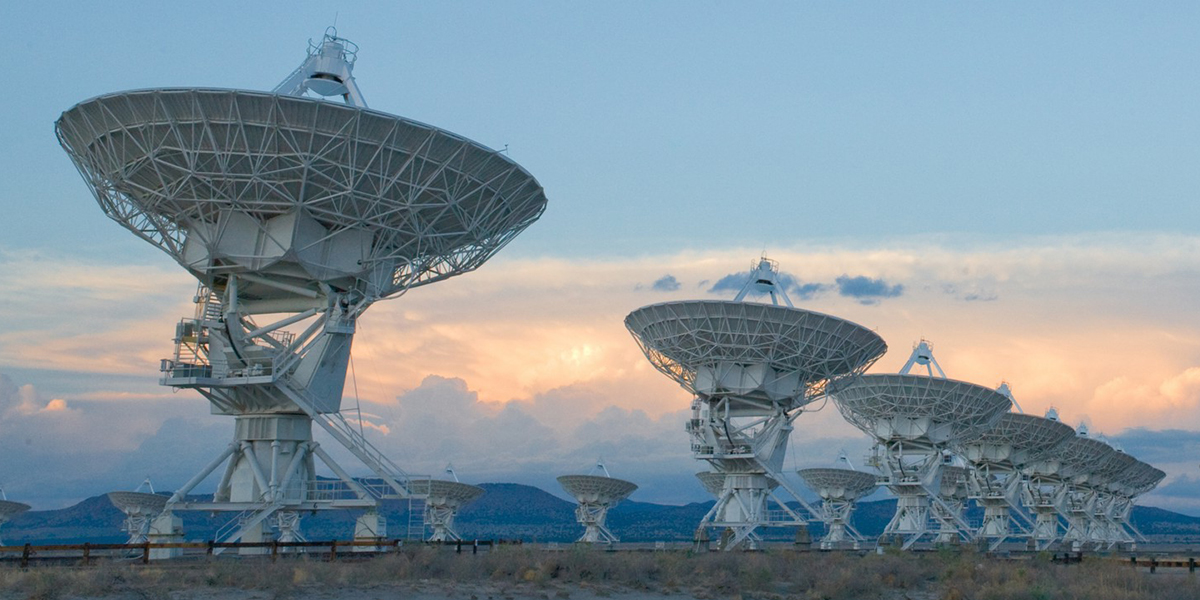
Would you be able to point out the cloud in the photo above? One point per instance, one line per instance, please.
(867, 290)
(531, 354)
(666, 283)
(971, 292)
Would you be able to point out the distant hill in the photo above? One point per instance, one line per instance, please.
(505, 511)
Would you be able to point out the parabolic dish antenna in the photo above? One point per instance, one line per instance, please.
(754, 351)
(839, 490)
(1016, 440)
(595, 495)
(840, 484)
(10, 509)
(150, 504)
(302, 212)
(752, 368)
(299, 191)
(916, 408)
(445, 499)
(140, 509)
(999, 454)
(914, 419)
(712, 482)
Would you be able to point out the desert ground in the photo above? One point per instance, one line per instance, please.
(519, 573)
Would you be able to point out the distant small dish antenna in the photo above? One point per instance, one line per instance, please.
(140, 509)
(445, 500)
(9, 509)
(595, 495)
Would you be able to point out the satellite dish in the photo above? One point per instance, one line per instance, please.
(915, 420)
(291, 211)
(10, 509)
(839, 490)
(998, 457)
(752, 369)
(445, 499)
(140, 509)
(712, 482)
(595, 495)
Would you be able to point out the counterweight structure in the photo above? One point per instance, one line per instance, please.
(752, 369)
(997, 457)
(839, 490)
(915, 419)
(595, 495)
(290, 211)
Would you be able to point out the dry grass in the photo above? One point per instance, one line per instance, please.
(522, 572)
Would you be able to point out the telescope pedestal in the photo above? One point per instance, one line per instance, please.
(166, 528)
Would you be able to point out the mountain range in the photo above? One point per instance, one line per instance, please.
(506, 511)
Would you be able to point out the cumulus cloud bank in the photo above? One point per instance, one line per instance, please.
(532, 362)
(867, 290)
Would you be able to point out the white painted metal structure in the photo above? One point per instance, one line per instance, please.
(752, 368)
(595, 495)
(10, 509)
(998, 456)
(839, 490)
(140, 509)
(713, 482)
(290, 211)
(953, 491)
(328, 71)
(1084, 466)
(444, 500)
(914, 420)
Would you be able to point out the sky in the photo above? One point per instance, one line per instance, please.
(1013, 182)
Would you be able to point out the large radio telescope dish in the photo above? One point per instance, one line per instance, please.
(293, 211)
(713, 482)
(595, 495)
(298, 190)
(1084, 459)
(1016, 439)
(444, 501)
(841, 484)
(756, 351)
(596, 489)
(10, 509)
(138, 502)
(889, 406)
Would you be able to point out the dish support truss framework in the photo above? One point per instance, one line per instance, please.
(744, 436)
(912, 447)
(276, 385)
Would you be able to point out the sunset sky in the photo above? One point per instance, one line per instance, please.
(1015, 183)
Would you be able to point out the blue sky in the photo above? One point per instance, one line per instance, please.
(659, 125)
(1016, 180)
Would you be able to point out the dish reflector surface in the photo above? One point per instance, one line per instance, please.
(751, 349)
(242, 181)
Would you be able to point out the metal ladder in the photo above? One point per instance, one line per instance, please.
(238, 525)
(416, 519)
(353, 440)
